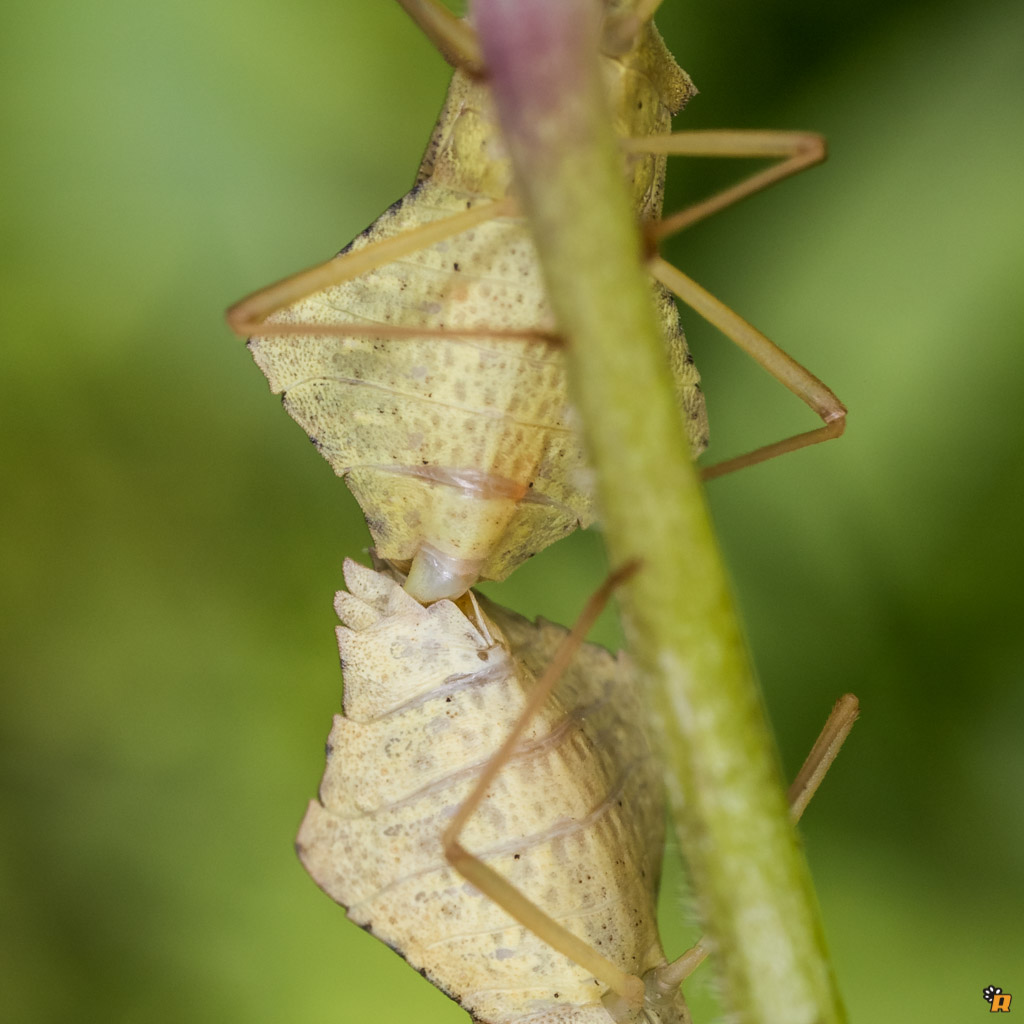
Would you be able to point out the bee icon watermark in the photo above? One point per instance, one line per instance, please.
(999, 999)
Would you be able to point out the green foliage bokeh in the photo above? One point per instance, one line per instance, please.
(170, 542)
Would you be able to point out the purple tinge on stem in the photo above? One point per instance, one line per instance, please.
(539, 56)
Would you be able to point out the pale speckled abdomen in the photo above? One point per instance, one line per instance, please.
(574, 820)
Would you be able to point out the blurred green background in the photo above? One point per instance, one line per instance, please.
(171, 542)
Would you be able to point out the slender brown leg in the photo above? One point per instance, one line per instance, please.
(621, 29)
(456, 41)
(805, 785)
(779, 364)
(796, 152)
(249, 316)
(454, 38)
(485, 878)
(825, 750)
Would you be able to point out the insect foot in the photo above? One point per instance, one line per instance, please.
(573, 821)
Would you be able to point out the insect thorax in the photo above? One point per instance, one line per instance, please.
(645, 88)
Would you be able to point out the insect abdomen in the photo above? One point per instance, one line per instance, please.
(573, 820)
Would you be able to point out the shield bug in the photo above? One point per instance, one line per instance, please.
(423, 361)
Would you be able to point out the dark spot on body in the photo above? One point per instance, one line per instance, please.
(455, 266)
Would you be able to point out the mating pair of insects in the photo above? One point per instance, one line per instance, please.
(425, 365)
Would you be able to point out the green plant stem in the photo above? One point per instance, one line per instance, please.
(750, 877)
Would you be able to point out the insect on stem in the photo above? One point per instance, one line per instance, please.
(426, 362)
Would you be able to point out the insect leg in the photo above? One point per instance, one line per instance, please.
(805, 785)
(796, 150)
(453, 37)
(621, 27)
(488, 881)
(823, 753)
(778, 363)
(249, 316)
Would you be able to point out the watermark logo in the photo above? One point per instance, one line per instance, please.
(999, 999)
